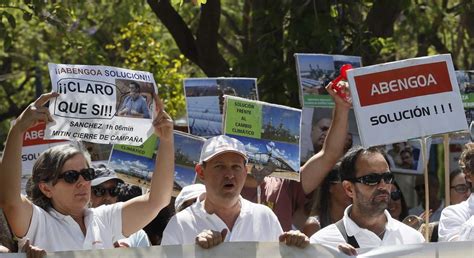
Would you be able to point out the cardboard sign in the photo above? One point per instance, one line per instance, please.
(101, 104)
(315, 71)
(136, 164)
(406, 99)
(205, 101)
(33, 145)
(270, 133)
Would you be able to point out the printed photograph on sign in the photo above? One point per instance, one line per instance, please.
(465, 81)
(134, 98)
(405, 157)
(131, 168)
(315, 123)
(205, 101)
(187, 151)
(270, 134)
(466, 87)
(315, 71)
(95, 104)
(135, 164)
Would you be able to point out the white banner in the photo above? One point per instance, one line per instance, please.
(101, 104)
(406, 99)
(277, 250)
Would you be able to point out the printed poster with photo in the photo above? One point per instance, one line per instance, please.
(270, 133)
(315, 71)
(465, 81)
(135, 164)
(315, 123)
(205, 101)
(405, 157)
(101, 104)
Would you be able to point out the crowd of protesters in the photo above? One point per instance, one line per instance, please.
(347, 198)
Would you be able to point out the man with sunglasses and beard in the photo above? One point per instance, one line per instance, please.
(366, 178)
(106, 188)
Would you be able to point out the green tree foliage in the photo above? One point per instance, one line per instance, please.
(81, 32)
(137, 46)
(259, 38)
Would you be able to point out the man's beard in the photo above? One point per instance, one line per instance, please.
(372, 206)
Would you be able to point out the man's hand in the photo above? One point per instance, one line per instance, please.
(294, 238)
(347, 249)
(119, 244)
(210, 238)
(32, 251)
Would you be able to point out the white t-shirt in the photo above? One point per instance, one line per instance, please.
(396, 233)
(457, 222)
(256, 222)
(53, 231)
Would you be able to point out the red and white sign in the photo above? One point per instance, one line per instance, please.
(406, 99)
(34, 145)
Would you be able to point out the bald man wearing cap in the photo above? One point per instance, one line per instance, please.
(223, 215)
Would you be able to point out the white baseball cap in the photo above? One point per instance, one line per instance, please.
(219, 145)
(187, 193)
(104, 174)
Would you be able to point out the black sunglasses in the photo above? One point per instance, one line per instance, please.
(100, 191)
(396, 195)
(374, 178)
(71, 176)
(462, 188)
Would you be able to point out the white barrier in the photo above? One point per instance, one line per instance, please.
(266, 250)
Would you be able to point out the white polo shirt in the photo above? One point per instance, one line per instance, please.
(53, 231)
(396, 233)
(457, 222)
(256, 222)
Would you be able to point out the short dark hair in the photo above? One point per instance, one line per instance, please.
(135, 85)
(347, 169)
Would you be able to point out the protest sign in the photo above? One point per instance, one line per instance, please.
(101, 104)
(270, 133)
(405, 157)
(466, 87)
(315, 123)
(406, 99)
(33, 145)
(205, 101)
(135, 164)
(315, 71)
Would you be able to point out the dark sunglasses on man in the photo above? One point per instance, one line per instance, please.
(71, 176)
(373, 179)
(462, 188)
(100, 191)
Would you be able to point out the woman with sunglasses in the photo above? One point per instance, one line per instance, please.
(397, 206)
(58, 217)
(460, 188)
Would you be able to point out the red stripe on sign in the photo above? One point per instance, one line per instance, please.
(403, 83)
(34, 136)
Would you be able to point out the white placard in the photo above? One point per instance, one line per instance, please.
(406, 99)
(101, 104)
